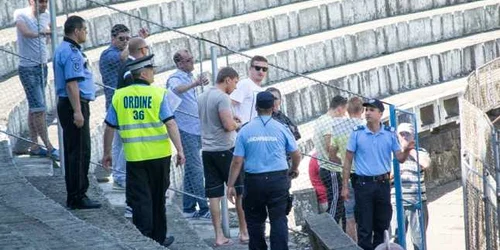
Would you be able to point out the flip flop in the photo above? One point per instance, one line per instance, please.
(229, 242)
(242, 241)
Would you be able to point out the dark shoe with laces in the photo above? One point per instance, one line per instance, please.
(85, 203)
(168, 241)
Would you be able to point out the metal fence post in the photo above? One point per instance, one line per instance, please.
(496, 149)
(397, 185)
(53, 43)
(419, 190)
(224, 207)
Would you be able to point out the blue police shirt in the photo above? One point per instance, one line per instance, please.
(110, 65)
(187, 123)
(70, 64)
(372, 151)
(165, 112)
(264, 143)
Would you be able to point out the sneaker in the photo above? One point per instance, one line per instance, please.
(205, 216)
(192, 215)
(40, 152)
(128, 212)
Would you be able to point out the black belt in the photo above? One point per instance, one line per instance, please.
(274, 173)
(67, 99)
(382, 177)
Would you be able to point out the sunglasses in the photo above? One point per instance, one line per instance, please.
(123, 38)
(259, 68)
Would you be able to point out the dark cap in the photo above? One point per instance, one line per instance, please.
(374, 103)
(140, 63)
(265, 100)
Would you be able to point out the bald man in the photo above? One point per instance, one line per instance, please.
(137, 48)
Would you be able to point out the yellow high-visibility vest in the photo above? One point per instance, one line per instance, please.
(143, 134)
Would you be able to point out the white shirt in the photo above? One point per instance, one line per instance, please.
(246, 95)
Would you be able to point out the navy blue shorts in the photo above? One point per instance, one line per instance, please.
(216, 170)
(34, 81)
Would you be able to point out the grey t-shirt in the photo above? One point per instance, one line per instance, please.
(32, 48)
(213, 135)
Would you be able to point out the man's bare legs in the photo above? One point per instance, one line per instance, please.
(38, 127)
(220, 239)
(351, 229)
(243, 236)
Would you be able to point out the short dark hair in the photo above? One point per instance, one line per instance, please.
(337, 101)
(73, 23)
(355, 105)
(119, 28)
(226, 72)
(273, 89)
(257, 59)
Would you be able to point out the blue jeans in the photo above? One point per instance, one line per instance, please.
(266, 194)
(412, 221)
(119, 163)
(193, 174)
(34, 84)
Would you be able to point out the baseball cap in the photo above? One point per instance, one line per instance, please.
(374, 103)
(265, 100)
(406, 127)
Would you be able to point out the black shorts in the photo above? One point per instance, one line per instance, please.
(216, 169)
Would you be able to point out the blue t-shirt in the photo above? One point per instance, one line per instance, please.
(165, 113)
(109, 66)
(189, 122)
(372, 151)
(70, 64)
(264, 143)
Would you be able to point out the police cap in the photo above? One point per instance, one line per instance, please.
(265, 100)
(374, 103)
(141, 63)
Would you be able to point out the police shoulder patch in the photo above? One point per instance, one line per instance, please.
(359, 127)
(389, 128)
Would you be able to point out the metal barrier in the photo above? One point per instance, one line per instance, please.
(480, 158)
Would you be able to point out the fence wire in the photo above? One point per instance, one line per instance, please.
(324, 112)
(480, 164)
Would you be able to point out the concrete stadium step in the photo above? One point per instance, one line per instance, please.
(389, 74)
(242, 32)
(169, 13)
(34, 166)
(29, 219)
(361, 41)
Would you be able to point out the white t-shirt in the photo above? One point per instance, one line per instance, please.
(246, 95)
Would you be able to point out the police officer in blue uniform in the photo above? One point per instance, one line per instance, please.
(75, 89)
(263, 144)
(371, 146)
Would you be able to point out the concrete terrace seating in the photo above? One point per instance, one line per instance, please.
(169, 13)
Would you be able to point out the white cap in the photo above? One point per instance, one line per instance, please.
(406, 127)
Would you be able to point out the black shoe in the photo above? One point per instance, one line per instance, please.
(85, 203)
(168, 241)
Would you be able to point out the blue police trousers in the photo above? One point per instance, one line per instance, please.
(265, 195)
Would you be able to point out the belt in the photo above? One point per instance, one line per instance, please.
(274, 173)
(382, 177)
(81, 99)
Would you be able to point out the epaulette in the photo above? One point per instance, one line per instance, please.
(359, 127)
(389, 128)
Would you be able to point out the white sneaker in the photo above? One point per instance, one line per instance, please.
(128, 212)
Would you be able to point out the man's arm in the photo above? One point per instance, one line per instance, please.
(296, 158)
(406, 147)
(173, 132)
(234, 172)
(346, 172)
(26, 32)
(108, 140)
(228, 121)
(181, 88)
(74, 97)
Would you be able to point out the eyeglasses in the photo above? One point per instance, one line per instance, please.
(259, 68)
(123, 38)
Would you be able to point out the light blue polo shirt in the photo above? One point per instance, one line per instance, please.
(264, 143)
(187, 123)
(70, 64)
(372, 151)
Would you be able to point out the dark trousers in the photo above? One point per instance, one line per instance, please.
(76, 150)
(373, 211)
(266, 194)
(147, 182)
(333, 184)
